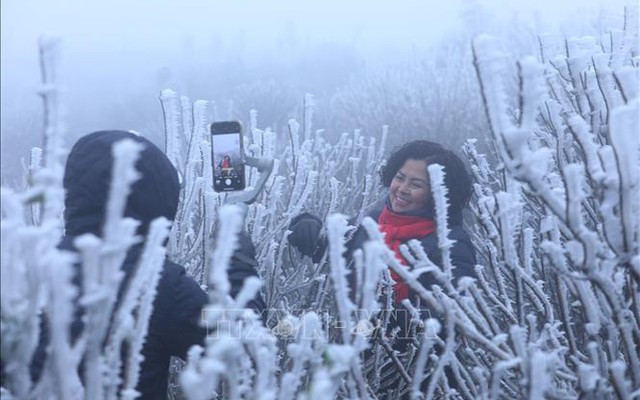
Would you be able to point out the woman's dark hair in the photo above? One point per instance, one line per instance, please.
(457, 179)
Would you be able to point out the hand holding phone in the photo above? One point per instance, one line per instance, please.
(227, 154)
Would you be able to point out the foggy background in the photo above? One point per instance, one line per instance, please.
(367, 63)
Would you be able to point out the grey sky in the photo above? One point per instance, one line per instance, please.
(112, 48)
(151, 31)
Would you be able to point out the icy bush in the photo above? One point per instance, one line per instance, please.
(552, 312)
(557, 222)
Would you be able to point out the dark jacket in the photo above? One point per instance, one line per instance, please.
(462, 254)
(463, 260)
(174, 325)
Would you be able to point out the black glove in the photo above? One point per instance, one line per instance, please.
(305, 232)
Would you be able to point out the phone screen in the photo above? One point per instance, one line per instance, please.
(226, 146)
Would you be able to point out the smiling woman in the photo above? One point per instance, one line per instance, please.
(407, 212)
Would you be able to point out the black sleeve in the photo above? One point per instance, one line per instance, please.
(41, 351)
(183, 308)
(187, 323)
(463, 258)
(462, 254)
(243, 265)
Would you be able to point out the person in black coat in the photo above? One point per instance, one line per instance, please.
(406, 212)
(174, 325)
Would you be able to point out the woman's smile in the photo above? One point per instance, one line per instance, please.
(409, 189)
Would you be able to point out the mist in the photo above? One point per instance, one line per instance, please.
(117, 56)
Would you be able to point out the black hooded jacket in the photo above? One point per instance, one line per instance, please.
(174, 325)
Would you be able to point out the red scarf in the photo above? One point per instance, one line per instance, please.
(398, 229)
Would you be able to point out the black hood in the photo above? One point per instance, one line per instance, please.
(87, 179)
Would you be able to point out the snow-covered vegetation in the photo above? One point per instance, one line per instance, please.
(554, 311)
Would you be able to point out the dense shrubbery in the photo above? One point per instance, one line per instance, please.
(554, 311)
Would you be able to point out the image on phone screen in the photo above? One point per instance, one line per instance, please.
(228, 170)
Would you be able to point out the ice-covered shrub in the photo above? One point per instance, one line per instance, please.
(557, 222)
(553, 311)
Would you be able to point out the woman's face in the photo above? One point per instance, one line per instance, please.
(409, 189)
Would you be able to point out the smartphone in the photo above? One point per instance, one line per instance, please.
(227, 154)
